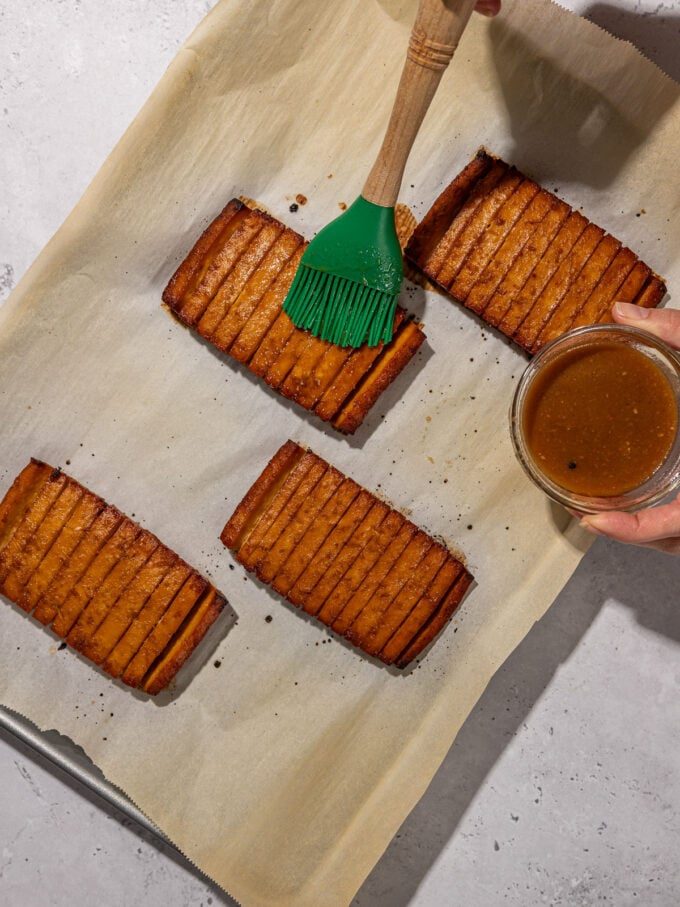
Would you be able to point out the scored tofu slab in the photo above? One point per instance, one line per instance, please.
(343, 556)
(231, 288)
(522, 259)
(108, 587)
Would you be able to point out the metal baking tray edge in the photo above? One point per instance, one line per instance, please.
(65, 755)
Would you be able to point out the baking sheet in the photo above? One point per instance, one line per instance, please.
(280, 764)
(63, 754)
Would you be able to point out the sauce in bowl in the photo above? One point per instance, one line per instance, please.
(600, 420)
(595, 419)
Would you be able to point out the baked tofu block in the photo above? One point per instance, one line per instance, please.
(231, 288)
(106, 586)
(334, 550)
(522, 259)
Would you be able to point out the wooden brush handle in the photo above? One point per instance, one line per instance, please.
(436, 32)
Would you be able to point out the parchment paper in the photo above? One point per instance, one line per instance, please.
(284, 772)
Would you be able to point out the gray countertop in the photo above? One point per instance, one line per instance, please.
(564, 785)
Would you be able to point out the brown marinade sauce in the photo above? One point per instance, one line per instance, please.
(600, 420)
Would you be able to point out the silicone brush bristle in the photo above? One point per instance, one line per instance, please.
(346, 286)
(340, 310)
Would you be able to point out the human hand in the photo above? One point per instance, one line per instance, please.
(657, 527)
(488, 7)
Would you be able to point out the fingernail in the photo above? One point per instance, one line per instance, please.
(631, 312)
(588, 526)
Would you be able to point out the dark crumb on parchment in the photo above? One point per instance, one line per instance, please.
(301, 199)
(342, 206)
(293, 208)
(62, 646)
(217, 663)
(269, 619)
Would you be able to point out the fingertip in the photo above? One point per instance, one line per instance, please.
(587, 524)
(627, 311)
(612, 523)
(590, 529)
(488, 8)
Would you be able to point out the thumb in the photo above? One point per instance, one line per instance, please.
(663, 323)
(640, 528)
(488, 7)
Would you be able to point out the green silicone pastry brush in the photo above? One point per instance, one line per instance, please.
(346, 287)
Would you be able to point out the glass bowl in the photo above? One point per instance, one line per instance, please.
(667, 476)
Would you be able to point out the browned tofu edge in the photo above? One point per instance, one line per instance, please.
(431, 229)
(11, 509)
(181, 280)
(252, 504)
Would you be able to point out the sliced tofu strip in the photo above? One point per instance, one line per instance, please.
(114, 585)
(261, 494)
(193, 268)
(593, 272)
(95, 575)
(331, 592)
(22, 541)
(509, 303)
(394, 358)
(257, 327)
(316, 534)
(478, 193)
(297, 526)
(283, 505)
(558, 286)
(239, 278)
(436, 623)
(325, 558)
(165, 629)
(386, 624)
(39, 545)
(129, 603)
(425, 607)
(500, 265)
(73, 569)
(20, 496)
(491, 239)
(242, 231)
(80, 521)
(185, 641)
(152, 611)
(605, 293)
(478, 223)
(259, 284)
(410, 562)
(425, 245)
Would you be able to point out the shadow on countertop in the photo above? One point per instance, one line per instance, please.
(643, 580)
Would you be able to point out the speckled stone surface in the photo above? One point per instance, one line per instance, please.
(563, 787)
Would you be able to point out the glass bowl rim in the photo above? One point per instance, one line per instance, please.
(644, 495)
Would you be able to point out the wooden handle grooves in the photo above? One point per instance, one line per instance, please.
(428, 53)
(436, 32)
